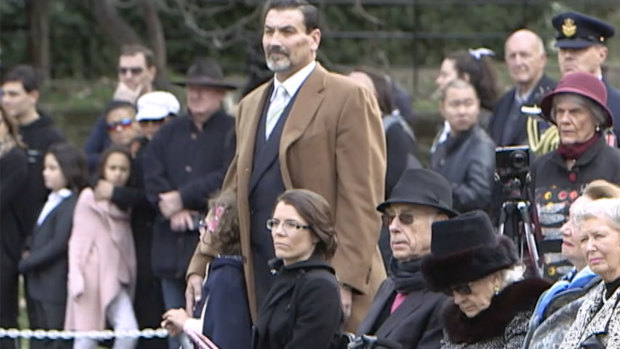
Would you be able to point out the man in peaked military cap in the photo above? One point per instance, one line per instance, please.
(582, 43)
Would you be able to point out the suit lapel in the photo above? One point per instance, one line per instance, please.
(309, 98)
(408, 306)
(384, 293)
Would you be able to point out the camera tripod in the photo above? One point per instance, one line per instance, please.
(516, 223)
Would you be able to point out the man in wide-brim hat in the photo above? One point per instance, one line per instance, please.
(185, 163)
(206, 73)
(404, 310)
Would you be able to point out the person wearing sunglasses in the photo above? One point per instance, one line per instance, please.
(302, 308)
(404, 310)
(122, 127)
(491, 302)
(136, 73)
(154, 108)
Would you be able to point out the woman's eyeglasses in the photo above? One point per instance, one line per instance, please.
(132, 70)
(287, 224)
(404, 217)
(463, 289)
(120, 125)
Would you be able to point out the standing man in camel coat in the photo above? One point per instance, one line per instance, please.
(327, 137)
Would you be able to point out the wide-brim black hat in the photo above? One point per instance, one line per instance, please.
(208, 73)
(465, 249)
(424, 187)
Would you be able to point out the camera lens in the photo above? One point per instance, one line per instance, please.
(519, 160)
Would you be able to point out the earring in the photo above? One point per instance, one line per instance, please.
(496, 290)
(598, 128)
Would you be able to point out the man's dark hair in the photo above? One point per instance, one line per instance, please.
(134, 49)
(310, 12)
(26, 74)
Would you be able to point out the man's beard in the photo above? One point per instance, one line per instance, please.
(281, 64)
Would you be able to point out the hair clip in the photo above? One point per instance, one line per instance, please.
(480, 52)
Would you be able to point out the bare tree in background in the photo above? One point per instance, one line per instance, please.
(39, 35)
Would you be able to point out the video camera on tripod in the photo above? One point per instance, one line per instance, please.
(512, 173)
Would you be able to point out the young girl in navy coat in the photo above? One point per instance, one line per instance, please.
(44, 262)
(223, 314)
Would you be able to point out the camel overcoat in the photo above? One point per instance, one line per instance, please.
(332, 143)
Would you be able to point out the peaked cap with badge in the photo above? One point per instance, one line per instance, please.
(576, 30)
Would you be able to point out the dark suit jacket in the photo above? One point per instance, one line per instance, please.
(414, 324)
(45, 269)
(613, 103)
(499, 120)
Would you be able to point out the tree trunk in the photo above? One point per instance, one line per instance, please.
(116, 29)
(157, 40)
(39, 35)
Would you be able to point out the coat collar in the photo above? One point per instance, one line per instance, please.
(492, 322)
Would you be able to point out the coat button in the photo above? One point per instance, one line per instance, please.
(188, 168)
(193, 136)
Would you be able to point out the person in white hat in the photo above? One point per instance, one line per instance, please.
(154, 108)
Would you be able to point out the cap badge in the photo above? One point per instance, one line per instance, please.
(568, 27)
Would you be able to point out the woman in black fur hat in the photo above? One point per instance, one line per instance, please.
(491, 303)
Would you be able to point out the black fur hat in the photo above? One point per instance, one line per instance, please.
(464, 249)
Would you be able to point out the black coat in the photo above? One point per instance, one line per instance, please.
(553, 190)
(500, 119)
(414, 324)
(13, 177)
(46, 267)
(302, 308)
(38, 136)
(468, 162)
(182, 157)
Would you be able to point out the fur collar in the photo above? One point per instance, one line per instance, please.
(518, 297)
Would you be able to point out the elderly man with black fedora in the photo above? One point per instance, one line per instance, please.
(184, 164)
(404, 310)
(491, 303)
(577, 108)
(582, 47)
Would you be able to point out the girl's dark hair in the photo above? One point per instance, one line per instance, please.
(106, 154)
(383, 88)
(225, 239)
(72, 162)
(12, 126)
(315, 210)
(481, 75)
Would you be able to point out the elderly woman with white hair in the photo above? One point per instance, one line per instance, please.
(597, 324)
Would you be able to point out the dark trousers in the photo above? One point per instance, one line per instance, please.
(8, 297)
(47, 316)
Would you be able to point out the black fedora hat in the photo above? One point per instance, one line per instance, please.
(419, 186)
(206, 72)
(464, 249)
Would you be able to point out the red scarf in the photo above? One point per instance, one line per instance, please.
(575, 150)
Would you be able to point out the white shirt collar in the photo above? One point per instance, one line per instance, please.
(294, 82)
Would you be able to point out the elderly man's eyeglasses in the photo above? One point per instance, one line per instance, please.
(463, 289)
(120, 125)
(287, 224)
(132, 70)
(404, 217)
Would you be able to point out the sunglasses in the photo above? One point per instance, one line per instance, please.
(463, 289)
(120, 125)
(404, 217)
(132, 70)
(151, 122)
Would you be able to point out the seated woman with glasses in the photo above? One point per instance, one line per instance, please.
(491, 303)
(302, 308)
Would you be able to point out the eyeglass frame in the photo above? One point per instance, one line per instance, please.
(287, 224)
(462, 289)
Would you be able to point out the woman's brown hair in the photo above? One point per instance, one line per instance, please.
(225, 235)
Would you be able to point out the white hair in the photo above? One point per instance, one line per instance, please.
(607, 209)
